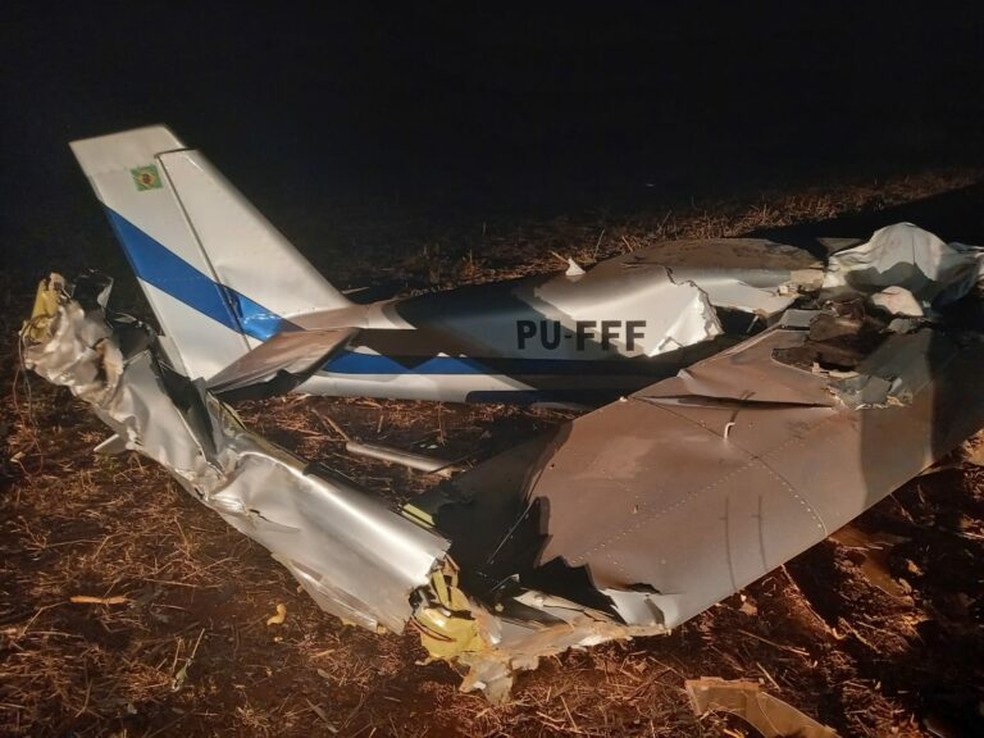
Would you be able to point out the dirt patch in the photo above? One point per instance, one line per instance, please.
(189, 649)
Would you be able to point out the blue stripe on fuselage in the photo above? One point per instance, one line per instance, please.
(155, 264)
(355, 362)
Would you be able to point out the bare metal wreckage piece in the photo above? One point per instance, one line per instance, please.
(626, 521)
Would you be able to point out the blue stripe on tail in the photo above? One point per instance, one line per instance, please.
(155, 264)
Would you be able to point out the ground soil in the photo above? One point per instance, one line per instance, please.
(871, 644)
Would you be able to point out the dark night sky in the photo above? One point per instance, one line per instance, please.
(488, 107)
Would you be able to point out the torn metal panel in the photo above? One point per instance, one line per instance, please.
(897, 370)
(598, 315)
(520, 647)
(746, 274)
(357, 559)
(493, 646)
(904, 255)
(67, 348)
(680, 313)
(770, 716)
(749, 373)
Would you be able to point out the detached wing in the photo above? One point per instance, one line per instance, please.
(681, 494)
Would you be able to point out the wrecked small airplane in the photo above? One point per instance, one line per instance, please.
(725, 455)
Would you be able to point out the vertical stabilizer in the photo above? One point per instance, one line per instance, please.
(219, 277)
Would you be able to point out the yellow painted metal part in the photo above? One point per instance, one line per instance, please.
(46, 301)
(447, 627)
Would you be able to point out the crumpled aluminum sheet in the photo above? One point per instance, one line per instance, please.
(355, 557)
(904, 255)
(747, 274)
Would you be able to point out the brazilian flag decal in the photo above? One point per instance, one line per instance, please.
(146, 178)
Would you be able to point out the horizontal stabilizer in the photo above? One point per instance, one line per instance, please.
(292, 356)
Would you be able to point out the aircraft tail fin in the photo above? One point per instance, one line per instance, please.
(219, 277)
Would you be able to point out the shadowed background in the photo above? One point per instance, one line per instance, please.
(455, 112)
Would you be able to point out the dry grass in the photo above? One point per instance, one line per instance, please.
(493, 251)
(188, 649)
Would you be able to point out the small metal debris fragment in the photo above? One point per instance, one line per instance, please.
(769, 715)
(874, 548)
(420, 462)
